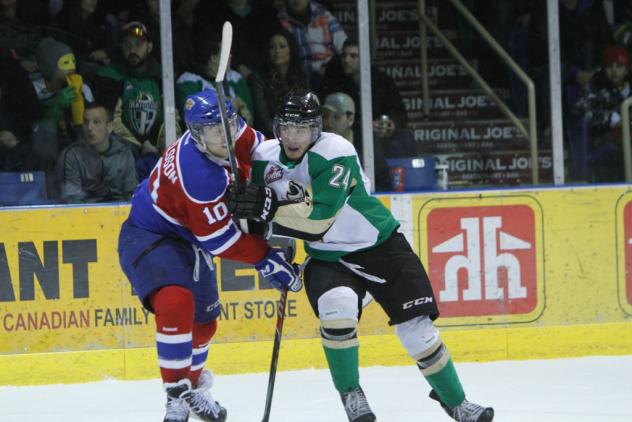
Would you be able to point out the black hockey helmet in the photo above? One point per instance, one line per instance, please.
(299, 109)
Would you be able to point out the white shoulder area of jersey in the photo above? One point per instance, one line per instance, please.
(331, 146)
(267, 149)
(190, 77)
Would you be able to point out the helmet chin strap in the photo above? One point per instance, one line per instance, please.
(217, 160)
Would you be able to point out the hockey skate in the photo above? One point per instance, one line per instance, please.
(466, 411)
(177, 406)
(201, 402)
(356, 406)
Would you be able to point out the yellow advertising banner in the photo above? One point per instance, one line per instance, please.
(62, 289)
(517, 274)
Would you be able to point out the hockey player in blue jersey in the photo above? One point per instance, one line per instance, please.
(177, 223)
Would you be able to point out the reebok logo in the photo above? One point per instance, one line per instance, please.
(482, 260)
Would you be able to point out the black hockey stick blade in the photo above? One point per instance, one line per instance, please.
(275, 354)
(224, 56)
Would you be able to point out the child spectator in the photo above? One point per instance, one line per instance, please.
(62, 95)
(600, 107)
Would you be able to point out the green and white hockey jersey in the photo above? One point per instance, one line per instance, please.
(336, 197)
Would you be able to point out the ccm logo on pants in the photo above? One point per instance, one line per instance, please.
(418, 301)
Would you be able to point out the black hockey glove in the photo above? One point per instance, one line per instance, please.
(251, 201)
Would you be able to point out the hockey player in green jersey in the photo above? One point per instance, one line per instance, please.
(354, 248)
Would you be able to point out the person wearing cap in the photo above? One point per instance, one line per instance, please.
(131, 86)
(339, 117)
(600, 109)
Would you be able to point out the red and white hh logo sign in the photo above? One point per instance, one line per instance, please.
(482, 260)
(627, 230)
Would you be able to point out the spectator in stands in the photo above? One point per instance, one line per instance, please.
(617, 12)
(20, 30)
(317, 32)
(132, 86)
(584, 33)
(389, 114)
(79, 25)
(202, 72)
(100, 166)
(282, 73)
(148, 12)
(338, 117)
(600, 106)
(19, 108)
(15, 155)
(253, 22)
(62, 95)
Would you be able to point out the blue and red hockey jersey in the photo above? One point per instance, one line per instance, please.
(184, 197)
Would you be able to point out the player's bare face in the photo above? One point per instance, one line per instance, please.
(213, 137)
(296, 139)
(279, 51)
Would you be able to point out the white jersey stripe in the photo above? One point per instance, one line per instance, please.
(217, 233)
(174, 338)
(201, 350)
(174, 364)
(165, 215)
(230, 242)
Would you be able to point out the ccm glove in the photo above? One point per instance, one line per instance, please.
(280, 273)
(251, 201)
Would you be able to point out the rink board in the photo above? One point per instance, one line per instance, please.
(518, 274)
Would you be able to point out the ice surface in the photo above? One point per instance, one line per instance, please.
(593, 389)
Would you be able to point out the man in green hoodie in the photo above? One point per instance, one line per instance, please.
(131, 86)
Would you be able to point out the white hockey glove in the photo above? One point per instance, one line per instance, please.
(280, 273)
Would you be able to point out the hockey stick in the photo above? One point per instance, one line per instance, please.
(289, 245)
(227, 40)
(275, 354)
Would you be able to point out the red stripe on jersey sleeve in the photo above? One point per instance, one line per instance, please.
(243, 150)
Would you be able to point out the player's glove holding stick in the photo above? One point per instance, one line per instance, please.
(279, 272)
(251, 201)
